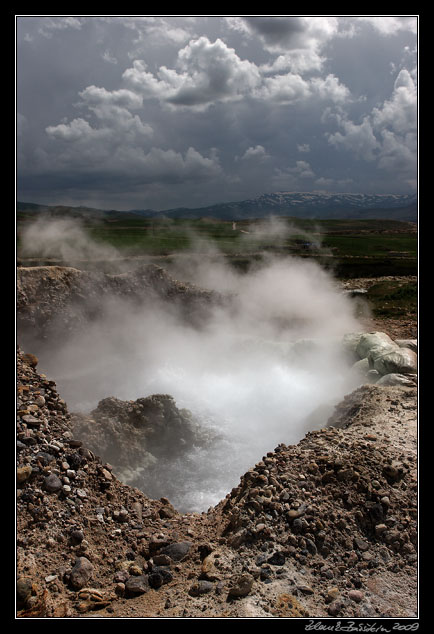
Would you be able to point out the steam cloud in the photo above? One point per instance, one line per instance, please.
(64, 239)
(259, 370)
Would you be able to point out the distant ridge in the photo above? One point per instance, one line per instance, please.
(320, 205)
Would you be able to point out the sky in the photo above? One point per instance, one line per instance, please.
(158, 112)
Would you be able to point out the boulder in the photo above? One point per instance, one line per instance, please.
(400, 361)
(407, 343)
(407, 380)
(375, 344)
(350, 341)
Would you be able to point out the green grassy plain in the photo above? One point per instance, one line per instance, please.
(354, 248)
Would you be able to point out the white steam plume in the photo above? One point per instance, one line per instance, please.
(63, 239)
(257, 370)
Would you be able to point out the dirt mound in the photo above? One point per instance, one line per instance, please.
(323, 528)
(139, 437)
(53, 301)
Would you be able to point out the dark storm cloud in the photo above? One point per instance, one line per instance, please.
(159, 111)
(277, 30)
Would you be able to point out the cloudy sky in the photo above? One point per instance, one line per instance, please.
(158, 112)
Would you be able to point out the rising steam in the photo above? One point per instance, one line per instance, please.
(258, 370)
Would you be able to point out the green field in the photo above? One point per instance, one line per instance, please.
(393, 299)
(353, 248)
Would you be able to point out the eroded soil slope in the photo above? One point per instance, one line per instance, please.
(323, 528)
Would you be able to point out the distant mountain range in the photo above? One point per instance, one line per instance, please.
(320, 205)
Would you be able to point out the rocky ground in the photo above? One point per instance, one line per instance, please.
(326, 528)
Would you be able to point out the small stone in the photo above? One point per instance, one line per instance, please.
(167, 512)
(160, 575)
(356, 595)
(292, 515)
(135, 570)
(120, 588)
(200, 587)
(335, 607)
(24, 588)
(277, 559)
(352, 558)
(50, 578)
(237, 539)
(52, 483)
(31, 420)
(77, 536)
(23, 474)
(332, 594)
(162, 560)
(176, 551)
(75, 443)
(393, 472)
(121, 576)
(155, 580)
(125, 565)
(305, 589)
(311, 546)
(137, 585)
(360, 544)
(241, 585)
(297, 525)
(31, 359)
(81, 573)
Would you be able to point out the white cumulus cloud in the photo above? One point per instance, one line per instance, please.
(388, 133)
(206, 72)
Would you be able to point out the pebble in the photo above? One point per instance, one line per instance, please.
(356, 595)
(77, 536)
(31, 420)
(361, 544)
(292, 515)
(24, 473)
(277, 559)
(52, 483)
(305, 589)
(50, 578)
(332, 594)
(137, 585)
(121, 576)
(335, 607)
(201, 587)
(81, 573)
(24, 587)
(176, 551)
(241, 585)
(135, 570)
(159, 576)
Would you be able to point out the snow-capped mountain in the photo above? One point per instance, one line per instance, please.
(310, 205)
(321, 205)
